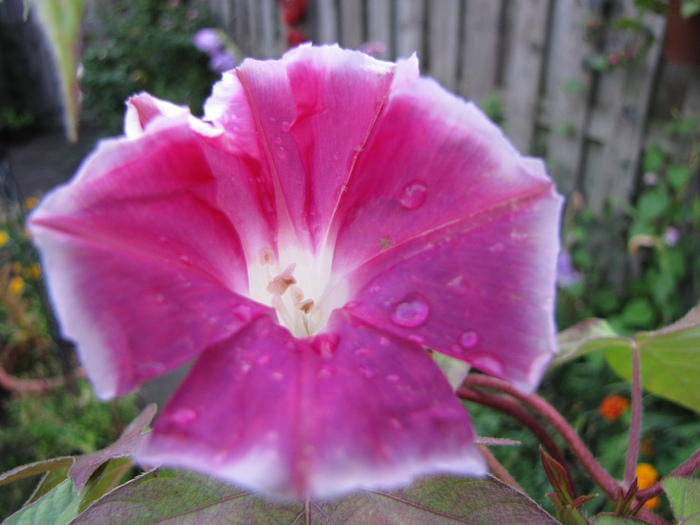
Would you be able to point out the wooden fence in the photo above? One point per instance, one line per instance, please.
(528, 56)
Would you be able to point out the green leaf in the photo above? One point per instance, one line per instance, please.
(48, 481)
(585, 337)
(455, 370)
(654, 159)
(678, 175)
(159, 496)
(61, 22)
(637, 312)
(58, 507)
(684, 494)
(612, 519)
(34, 469)
(670, 361)
(106, 478)
(652, 204)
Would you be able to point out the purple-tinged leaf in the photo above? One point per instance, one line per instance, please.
(33, 469)
(105, 479)
(57, 507)
(162, 496)
(125, 446)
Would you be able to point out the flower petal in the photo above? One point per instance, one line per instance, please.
(463, 223)
(313, 110)
(315, 417)
(138, 288)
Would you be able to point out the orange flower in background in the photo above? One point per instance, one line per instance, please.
(613, 406)
(646, 477)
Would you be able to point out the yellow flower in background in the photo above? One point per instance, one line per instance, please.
(16, 268)
(16, 285)
(33, 271)
(4, 238)
(613, 406)
(30, 203)
(646, 477)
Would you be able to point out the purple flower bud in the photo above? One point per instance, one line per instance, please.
(207, 40)
(567, 276)
(671, 236)
(222, 61)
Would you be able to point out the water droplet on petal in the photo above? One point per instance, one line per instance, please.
(286, 126)
(336, 155)
(411, 313)
(245, 367)
(416, 338)
(393, 378)
(469, 339)
(367, 372)
(278, 140)
(395, 423)
(282, 152)
(413, 195)
(497, 248)
(326, 371)
(459, 284)
(362, 352)
(263, 360)
(185, 259)
(277, 376)
(486, 363)
(184, 416)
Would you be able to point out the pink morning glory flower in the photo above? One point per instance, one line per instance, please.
(330, 218)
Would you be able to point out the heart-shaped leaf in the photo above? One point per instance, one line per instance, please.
(684, 494)
(586, 337)
(161, 495)
(670, 360)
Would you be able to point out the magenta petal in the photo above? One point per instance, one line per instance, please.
(315, 417)
(308, 130)
(139, 289)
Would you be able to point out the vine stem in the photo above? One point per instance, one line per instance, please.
(636, 422)
(601, 477)
(514, 409)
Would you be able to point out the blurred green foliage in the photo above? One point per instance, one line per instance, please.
(143, 45)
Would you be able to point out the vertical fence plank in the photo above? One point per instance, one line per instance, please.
(480, 56)
(270, 44)
(524, 70)
(625, 108)
(443, 45)
(572, 84)
(409, 27)
(379, 24)
(351, 23)
(327, 18)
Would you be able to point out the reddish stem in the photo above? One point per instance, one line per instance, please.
(685, 469)
(604, 480)
(636, 422)
(499, 470)
(513, 408)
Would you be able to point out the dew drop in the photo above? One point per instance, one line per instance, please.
(413, 195)
(336, 155)
(326, 371)
(393, 378)
(286, 126)
(416, 338)
(497, 248)
(277, 376)
(263, 360)
(367, 372)
(185, 259)
(459, 284)
(395, 423)
(411, 313)
(362, 352)
(469, 339)
(184, 416)
(282, 152)
(486, 363)
(245, 367)
(278, 140)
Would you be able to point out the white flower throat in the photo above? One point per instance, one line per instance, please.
(298, 288)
